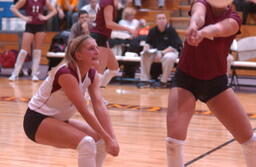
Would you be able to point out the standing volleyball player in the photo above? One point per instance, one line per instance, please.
(34, 32)
(101, 33)
(47, 120)
(201, 74)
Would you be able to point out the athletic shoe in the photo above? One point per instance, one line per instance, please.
(13, 78)
(161, 85)
(35, 78)
(143, 84)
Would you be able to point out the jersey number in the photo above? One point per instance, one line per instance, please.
(35, 8)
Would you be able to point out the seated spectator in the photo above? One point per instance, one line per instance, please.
(118, 38)
(66, 8)
(81, 4)
(92, 9)
(136, 44)
(81, 27)
(246, 7)
(122, 4)
(162, 45)
(137, 3)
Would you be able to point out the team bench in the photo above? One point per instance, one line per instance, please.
(236, 65)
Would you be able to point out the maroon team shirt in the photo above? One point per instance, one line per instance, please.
(100, 20)
(209, 59)
(33, 8)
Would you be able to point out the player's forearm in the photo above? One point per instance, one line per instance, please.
(224, 28)
(94, 123)
(51, 14)
(105, 122)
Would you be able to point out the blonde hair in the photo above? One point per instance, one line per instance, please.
(128, 11)
(73, 46)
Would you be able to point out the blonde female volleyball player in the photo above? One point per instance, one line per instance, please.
(201, 74)
(47, 120)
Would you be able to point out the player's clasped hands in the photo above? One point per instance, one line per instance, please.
(193, 35)
(112, 147)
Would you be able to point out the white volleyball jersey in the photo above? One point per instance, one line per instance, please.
(51, 100)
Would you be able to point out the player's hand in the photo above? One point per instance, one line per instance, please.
(42, 17)
(191, 33)
(61, 14)
(197, 38)
(112, 147)
(27, 19)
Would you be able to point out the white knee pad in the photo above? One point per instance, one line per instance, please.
(249, 149)
(171, 56)
(174, 150)
(23, 52)
(86, 152)
(87, 146)
(107, 76)
(101, 153)
(114, 72)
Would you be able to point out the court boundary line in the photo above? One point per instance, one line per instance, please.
(211, 151)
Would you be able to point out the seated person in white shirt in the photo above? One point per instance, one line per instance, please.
(119, 38)
(92, 9)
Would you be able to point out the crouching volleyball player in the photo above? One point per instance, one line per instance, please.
(47, 120)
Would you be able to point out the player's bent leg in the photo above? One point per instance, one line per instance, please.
(181, 107)
(112, 68)
(84, 127)
(180, 110)
(67, 136)
(232, 116)
(107, 76)
(100, 144)
(103, 58)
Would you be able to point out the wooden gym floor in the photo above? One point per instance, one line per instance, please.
(138, 117)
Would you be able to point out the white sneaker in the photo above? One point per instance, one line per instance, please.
(13, 78)
(25, 72)
(35, 78)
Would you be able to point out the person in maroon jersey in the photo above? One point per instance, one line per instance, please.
(101, 33)
(34, 32)
(48, 119)
(201, 74)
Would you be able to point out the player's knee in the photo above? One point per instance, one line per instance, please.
(230, 58)
(114, 72)
(23, 53)
(87, 146)
(171, 57)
